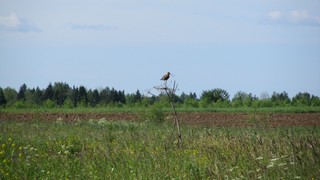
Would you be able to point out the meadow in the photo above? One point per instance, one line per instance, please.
(101, 149)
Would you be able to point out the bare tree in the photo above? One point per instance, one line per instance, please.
(170, 92)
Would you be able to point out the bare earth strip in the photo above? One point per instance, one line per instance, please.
(192, 118)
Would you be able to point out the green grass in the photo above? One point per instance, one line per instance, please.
(127, 150)
(290, 109)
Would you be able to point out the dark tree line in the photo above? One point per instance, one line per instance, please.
(62, 95)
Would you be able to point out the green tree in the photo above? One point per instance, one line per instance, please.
(105, 96)
(3, 100)
(280, 99)
(29, 97)
(137, 97)
(75, 96)
(10, 96)
(21, 93)
(315, 101)
(94, 97)
(302, 99)
(113, 95)
(243, 99)
(83, 96)
(48, 93)
(38, 98)
(121, 97)
(60, 92)
(215, 95)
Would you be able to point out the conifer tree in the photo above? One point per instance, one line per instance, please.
(3, 100)
(22, 92)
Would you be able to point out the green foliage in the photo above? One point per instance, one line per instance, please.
(215, 95)
(302, 99)
(3, 100)
(280, 99)
(22, 91)
(242, 99)
(20, 104)
(190, 102)
(61, 94)
(101, 149)
(154, 115)
(10, 95)
(48, 93)
(94, 98)
(68, 103)
(49, 103)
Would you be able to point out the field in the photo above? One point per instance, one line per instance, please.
(122, 145)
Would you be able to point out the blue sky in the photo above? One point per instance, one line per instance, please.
(251, 45)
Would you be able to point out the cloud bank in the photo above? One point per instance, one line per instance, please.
(297, 17)
(15, 24)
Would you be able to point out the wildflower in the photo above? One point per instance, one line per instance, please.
(282, 164)
(259, 158)
(270, 165)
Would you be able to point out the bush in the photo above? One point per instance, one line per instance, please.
(49, 104)
(154, 115)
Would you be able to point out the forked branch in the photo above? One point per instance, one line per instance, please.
(170, 92)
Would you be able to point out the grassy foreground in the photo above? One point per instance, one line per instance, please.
(126, 150)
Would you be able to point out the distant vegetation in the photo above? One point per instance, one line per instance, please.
(61, 95)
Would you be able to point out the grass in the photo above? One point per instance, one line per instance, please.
(290, 109)
(131, 150)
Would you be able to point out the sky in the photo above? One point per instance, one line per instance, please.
(255, 46)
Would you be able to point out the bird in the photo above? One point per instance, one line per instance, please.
(166, 76)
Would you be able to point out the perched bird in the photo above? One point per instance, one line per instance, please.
(166, 76)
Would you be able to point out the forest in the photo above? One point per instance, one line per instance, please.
(62, 95)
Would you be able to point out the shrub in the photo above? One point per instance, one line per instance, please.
(153, 115)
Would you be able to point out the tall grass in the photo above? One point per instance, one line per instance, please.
(100, 149)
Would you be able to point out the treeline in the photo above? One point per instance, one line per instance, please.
(62, 95)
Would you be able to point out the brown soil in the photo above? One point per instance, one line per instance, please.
(192, 118)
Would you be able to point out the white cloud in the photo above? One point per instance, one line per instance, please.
(274, 15)
(299, 15)
(10, 21)
(16, 24)
(296, 17)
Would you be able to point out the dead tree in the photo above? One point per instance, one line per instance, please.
(170, 92)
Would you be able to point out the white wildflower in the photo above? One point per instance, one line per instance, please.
(270, 165)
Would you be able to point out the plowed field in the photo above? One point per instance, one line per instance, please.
(192, 118)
